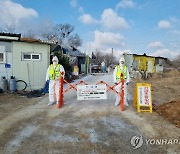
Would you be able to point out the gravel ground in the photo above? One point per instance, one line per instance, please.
(82, 127)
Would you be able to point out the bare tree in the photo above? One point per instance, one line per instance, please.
(8, 28)
(176, 62)
(62, 34)
(74, 41)
(51, 37)
(63, 30)
(29, 34)
(108, 58)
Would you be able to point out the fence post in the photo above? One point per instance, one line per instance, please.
(61, 96)
(122, 93)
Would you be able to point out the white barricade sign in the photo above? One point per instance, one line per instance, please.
(91, 92)
(144, 95)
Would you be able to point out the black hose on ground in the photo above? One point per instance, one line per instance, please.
(24, 84)
(31, 94)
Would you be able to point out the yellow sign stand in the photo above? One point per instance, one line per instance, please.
(76, 70)
(143, 97)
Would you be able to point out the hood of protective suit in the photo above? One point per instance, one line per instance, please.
(55, 60)
(122, 61)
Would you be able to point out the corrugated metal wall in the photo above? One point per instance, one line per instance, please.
(145, 63)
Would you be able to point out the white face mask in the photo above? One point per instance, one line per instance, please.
(122, 62)
(55, 63)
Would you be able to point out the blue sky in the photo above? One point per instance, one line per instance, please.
(134, 26)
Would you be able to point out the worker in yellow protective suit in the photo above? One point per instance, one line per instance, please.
(121, 68)
(53, 75)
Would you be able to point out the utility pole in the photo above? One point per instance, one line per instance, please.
(112, 56)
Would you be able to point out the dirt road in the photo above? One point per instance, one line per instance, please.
(31, 126)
